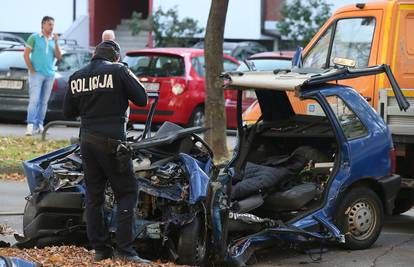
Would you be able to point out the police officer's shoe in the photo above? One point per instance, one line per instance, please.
(132, 258)
(103, 254)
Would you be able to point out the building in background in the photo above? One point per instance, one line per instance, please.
(84, 20)
(23, 17)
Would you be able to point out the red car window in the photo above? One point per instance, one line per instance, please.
(156, 65)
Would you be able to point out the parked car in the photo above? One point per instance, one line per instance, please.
(239, 50)
(178, 74)
(298, 179)
(14, 86)
(265, 61)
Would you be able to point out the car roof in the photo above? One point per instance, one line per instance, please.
(273, 55)
(72, 49)
(178, 51)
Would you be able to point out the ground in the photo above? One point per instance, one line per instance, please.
(393, 248)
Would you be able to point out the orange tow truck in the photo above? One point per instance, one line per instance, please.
(371, 34)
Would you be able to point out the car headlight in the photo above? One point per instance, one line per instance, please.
(177, 89)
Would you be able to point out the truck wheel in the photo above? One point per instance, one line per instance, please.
(402, 205)
(197, 118)
(192, 243)
(360, 217)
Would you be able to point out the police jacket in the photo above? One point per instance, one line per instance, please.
(99, 94)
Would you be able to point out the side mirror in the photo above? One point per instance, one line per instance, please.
(297, 58)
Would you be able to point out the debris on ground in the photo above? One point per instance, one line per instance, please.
(15, 176)
(68, 256)
(6, 230)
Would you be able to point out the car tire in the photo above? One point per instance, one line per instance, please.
(28, 216)
(360, 216)
(197, 117)
(192, 245)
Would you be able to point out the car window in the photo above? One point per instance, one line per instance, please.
(85, 58)
(11, 39)
(199, 65)
(229, 65)
(353, 40)
(268, 64)
(12, 59)
(68, 62)
(349, 121)
(316, 58)
(156, 65)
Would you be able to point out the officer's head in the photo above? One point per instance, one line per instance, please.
(108, 50)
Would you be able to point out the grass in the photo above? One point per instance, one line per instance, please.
(14, 150)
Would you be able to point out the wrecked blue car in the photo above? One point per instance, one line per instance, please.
(173, 169)
(317, 167)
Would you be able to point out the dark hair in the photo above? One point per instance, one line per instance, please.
(46, 19)
(109, 50)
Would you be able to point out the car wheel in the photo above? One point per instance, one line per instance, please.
(360, 217)
(192, 245)
(197, 118)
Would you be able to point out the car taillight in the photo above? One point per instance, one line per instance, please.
(55, 86)
(177, 89)
(393, 159)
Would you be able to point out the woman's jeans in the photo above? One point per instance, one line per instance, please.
(39, 93)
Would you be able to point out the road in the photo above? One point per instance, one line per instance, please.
(394, 247)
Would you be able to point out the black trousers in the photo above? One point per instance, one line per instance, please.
(100, 166)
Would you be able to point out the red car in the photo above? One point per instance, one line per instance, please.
(265, 61)
(178, 74)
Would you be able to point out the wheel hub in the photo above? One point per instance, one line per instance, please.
(198, 119)
(361, 219)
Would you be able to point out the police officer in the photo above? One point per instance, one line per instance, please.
(99, 94)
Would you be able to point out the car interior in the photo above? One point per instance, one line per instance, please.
(286, 169)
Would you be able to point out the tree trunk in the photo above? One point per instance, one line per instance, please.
(215, 113)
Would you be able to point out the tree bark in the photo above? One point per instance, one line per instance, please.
(215, 113)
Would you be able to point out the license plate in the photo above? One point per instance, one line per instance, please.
(10, 84)
(151, 87)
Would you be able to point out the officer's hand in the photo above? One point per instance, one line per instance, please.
(56, 37)
(32, 72)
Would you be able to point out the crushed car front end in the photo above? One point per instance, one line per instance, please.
(173, 168)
